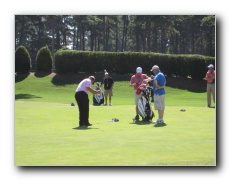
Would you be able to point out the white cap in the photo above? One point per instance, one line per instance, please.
(106, 73)
(92, 78)
(154, 67)
(210, 66)
(139, 70)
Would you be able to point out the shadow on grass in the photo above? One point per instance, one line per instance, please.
(191, 85)
(83, 128)
(20, 77)
(25, 96)
(212, 107)
(41, 74)
(142, 122)
(174, 82)
(64, 79)
(160, 125)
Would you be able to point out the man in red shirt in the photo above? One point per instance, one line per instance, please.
(210, 78)
(135, 81)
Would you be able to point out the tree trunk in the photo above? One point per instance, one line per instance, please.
(74, 36)
(22, 31)
(116, 49)
(83, 38)
(91, 39)
(53, 38)
(104, 34)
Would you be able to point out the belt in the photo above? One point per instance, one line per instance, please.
(211, 83)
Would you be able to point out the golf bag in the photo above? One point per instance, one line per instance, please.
(98, 99)
(144, 104)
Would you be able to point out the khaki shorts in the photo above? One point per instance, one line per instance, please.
(136, 97)
(159, 102)
(108, 92)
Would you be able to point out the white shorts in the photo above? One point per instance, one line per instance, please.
(159, 102)
(136, 97)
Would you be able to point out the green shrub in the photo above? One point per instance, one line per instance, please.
(72, 61)
(22, 60)
(44, 60)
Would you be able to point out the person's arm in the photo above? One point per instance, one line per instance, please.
(208, 78)
(157, 86)
(93, 91)
(112, 85)
(102, 82)
(156, 83)
(132, 83)
(211, 78)
(149, 79)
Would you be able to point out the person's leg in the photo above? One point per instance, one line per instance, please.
(136, 110)
(79, 100)
(110, 100)
(213, 92)
(208, 95)
(136, 99)
(156, 100)
(106, 96)
(161, 114)
(110, 97)
(159, 105)
(85, 110)
(162, 99)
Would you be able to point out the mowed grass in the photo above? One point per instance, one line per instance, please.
(47, 133)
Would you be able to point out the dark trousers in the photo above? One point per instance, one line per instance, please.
(83, 106)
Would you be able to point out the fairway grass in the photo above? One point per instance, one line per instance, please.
(47, 132)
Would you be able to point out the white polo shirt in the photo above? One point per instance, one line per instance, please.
(83, 85)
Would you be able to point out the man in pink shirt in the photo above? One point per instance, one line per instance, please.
(82, 99)
(135, 81)
(210, 78)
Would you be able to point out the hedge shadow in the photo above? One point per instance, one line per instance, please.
(191, 85)
(25, 96)
(41, 74)
(20, 77)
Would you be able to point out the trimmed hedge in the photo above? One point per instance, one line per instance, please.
(44, 60)
(22, 60)
(72, 61)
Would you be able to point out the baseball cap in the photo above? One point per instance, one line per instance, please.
(210, 66)
(154, 67)
(139, 70)
(106, 73)
(93, 78)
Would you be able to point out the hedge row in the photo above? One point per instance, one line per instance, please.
(72, 61)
